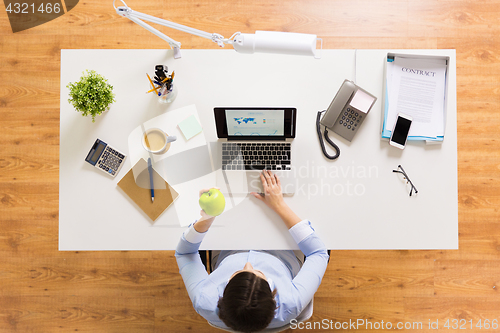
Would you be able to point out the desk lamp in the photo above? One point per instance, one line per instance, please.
(261, 41)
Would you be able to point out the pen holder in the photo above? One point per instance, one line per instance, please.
(167, 96)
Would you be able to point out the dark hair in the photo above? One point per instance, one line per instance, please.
(247, 304)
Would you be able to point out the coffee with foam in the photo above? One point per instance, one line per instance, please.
(154, 140)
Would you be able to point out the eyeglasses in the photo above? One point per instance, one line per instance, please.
(405, 178)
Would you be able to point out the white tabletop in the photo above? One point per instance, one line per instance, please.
(355, 202)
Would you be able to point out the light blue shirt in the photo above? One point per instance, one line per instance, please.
(295, 285)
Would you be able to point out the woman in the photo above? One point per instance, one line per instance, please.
(250, 291)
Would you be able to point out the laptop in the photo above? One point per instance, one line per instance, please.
(253, 139)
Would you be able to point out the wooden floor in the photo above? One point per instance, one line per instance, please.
(44, 290)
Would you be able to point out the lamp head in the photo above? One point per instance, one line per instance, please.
(276, 42)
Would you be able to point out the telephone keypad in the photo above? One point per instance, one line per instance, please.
(350, 119)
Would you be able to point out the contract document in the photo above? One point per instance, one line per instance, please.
(416, 87)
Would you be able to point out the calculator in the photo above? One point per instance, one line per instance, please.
(105, 158)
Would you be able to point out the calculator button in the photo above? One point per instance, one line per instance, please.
(356, 114)
(340, 122)
(349, 127)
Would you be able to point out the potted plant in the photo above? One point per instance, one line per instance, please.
(92, 95)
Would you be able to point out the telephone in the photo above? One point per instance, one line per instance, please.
(346, 113)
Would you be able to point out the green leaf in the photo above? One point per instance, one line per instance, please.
(92, 95)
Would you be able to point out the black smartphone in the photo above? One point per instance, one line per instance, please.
(400, 131)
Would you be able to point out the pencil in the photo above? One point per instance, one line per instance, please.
(154, 88)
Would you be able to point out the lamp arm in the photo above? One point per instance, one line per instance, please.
(169, 24)
(173, 43)
(138, 18)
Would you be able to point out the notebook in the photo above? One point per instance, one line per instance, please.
(136, 184)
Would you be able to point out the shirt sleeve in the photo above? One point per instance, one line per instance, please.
(193, 236)
(301, 230)
(191, 268)
(307, 281)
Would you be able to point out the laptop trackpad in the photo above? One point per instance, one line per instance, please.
(244, 182)
(237, 182)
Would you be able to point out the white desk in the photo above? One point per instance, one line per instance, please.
(355, 202)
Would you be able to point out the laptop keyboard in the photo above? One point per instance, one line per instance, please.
(256, 156)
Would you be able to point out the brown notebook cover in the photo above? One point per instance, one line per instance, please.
(136, 184)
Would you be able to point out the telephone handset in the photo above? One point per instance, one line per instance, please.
(346, 113)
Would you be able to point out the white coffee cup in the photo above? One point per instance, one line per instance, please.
(155, 141)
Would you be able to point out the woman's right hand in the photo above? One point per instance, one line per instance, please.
(272, 196)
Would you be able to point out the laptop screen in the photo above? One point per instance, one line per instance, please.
(255, 123)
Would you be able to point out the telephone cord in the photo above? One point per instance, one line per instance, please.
(322, 143)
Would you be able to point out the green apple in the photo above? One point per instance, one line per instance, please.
(212, 202)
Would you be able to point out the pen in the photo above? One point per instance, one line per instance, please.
(163, 90)
(150, 170)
